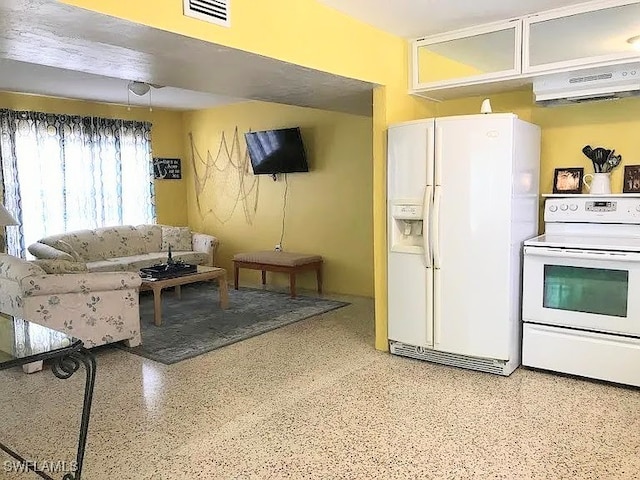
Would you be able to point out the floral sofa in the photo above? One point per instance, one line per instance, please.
(97, 308)
(127, 247)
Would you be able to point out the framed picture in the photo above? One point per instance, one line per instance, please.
(167, 169)
(631, 182)
(568, 180)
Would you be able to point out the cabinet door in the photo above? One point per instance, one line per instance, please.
(579, 36)
(467, 56)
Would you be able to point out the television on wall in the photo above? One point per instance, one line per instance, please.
(276, 151)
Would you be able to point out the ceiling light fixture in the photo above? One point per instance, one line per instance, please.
(635, 42)
(139, 88)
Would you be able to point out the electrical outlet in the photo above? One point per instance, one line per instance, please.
(278, 248)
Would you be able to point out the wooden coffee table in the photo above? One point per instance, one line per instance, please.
(203, 274)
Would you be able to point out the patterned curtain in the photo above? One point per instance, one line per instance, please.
(63, 173)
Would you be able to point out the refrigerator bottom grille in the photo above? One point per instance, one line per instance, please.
(498, 367)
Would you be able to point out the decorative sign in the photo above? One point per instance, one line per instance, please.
(167, 169)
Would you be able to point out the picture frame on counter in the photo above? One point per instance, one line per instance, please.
(631, 179)
(568, 180)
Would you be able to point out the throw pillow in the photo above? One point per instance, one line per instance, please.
(60, 266)
(178, 237)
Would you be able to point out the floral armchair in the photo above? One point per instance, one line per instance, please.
(97, 308)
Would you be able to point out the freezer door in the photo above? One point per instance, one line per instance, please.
(471, 235)
(410, 301)
(410, 159)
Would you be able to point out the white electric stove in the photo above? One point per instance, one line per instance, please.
(579, 310)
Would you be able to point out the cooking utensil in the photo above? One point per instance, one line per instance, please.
(600, 156)
(612, 162)
(603, 159)
(588, 151)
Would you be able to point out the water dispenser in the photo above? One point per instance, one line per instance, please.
(406, 227)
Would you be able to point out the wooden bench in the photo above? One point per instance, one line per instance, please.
(286, 262)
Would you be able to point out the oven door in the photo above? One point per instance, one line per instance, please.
(583, 289)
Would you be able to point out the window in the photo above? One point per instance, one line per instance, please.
(64, 173)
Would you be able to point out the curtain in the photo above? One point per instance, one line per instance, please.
(63, 173)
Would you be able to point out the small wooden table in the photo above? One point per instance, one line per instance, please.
(287, 262)
(203, 274)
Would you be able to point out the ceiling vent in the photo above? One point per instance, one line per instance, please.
(604, 83)
(212, 11)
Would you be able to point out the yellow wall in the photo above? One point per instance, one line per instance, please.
(567, 129)
(304, 32)
(166, 141)
(328, 212)
(519, 102)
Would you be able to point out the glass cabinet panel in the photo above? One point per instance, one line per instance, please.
(587, 290)
(581, 38)
(470, 56)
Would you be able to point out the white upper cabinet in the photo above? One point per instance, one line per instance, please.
(491, 57)
(584, 35)
(473, 55)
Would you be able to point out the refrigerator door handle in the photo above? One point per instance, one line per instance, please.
(435, 235)
(437, 314)
(438, 156)
(427, 204)
(435, 226)
(431, 152)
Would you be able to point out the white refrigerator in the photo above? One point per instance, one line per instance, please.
(462, 198)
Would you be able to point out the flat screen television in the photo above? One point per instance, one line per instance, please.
(276, 151)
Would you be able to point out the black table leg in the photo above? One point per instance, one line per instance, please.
(64, 368)
(64, 365)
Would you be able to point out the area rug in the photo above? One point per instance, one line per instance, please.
(196, 324)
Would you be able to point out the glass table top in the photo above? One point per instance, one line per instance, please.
(20, 339)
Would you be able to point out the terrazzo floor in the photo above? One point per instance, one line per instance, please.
(315, 400)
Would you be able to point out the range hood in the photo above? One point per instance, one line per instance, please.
(596, 84)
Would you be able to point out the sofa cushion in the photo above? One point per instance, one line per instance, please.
(151, 237)
(80, 244)
(106, 266)
(195, 258)
(178, 237)
(135, 262)
(60, 266)
(132, 263)
(120, 241)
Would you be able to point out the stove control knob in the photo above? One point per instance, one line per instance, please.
(573, 207)
(553, 208)
(564, 207)
(638, 208)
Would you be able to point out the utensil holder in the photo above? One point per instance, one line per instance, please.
(599, 184)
